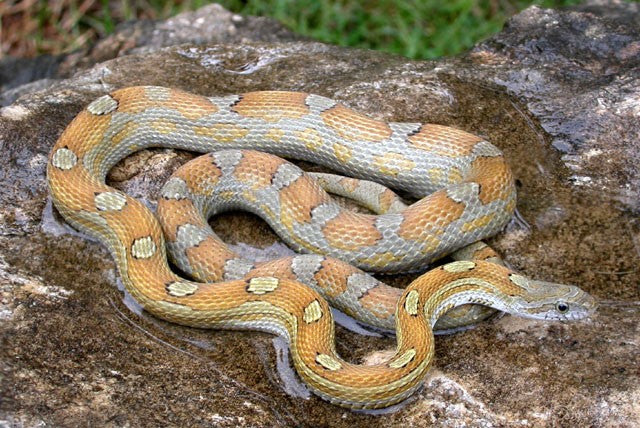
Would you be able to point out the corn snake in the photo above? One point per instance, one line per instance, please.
(466, 192)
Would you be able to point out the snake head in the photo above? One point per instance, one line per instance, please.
(551, 301)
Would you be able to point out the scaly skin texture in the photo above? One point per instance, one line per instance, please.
(466, 192)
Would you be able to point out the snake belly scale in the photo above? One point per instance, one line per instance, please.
(465, 192)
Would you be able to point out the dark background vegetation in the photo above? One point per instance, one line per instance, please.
(414, 28)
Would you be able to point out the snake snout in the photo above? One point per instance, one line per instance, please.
(559, 302)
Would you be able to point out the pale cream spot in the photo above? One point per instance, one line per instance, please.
(181, 289)
(313, 312)
(64, 159)
(103, 105)
(342, 152)
(411, 302)
(143, 248)
(263, 285)
(176, 188)
(311, 138)
(110, 201)
(460, 266)
(328, 362)
(403, 359)
(519, 280)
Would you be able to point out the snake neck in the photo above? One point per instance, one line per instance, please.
(483, 283)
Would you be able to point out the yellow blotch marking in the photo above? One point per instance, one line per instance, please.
(227, 195)
(328, 362)
(143, 248)
(311, 138)
(430, 244)
(411, 302)
(380, 260)
(64, 159)
(274, 134)
(223, 132)
(477, 223)
(127, 130)
(455, 176)
(342, 152)
(181, 289)
(435, 175)
(303, 243)
(249, 196)
(459, 267)
(267, 211)
(313, 312)
(263, 285)
(403, 359)
(163, 126)
(393, 163)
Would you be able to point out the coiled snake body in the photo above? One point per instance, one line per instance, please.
(466, 192)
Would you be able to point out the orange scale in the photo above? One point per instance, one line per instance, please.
(350, 231)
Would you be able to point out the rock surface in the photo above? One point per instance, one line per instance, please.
(557, 91)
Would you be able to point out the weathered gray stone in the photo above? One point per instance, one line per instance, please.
(557, 91)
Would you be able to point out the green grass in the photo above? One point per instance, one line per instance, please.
(414, 28)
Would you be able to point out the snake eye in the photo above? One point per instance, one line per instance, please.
(562, 307)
